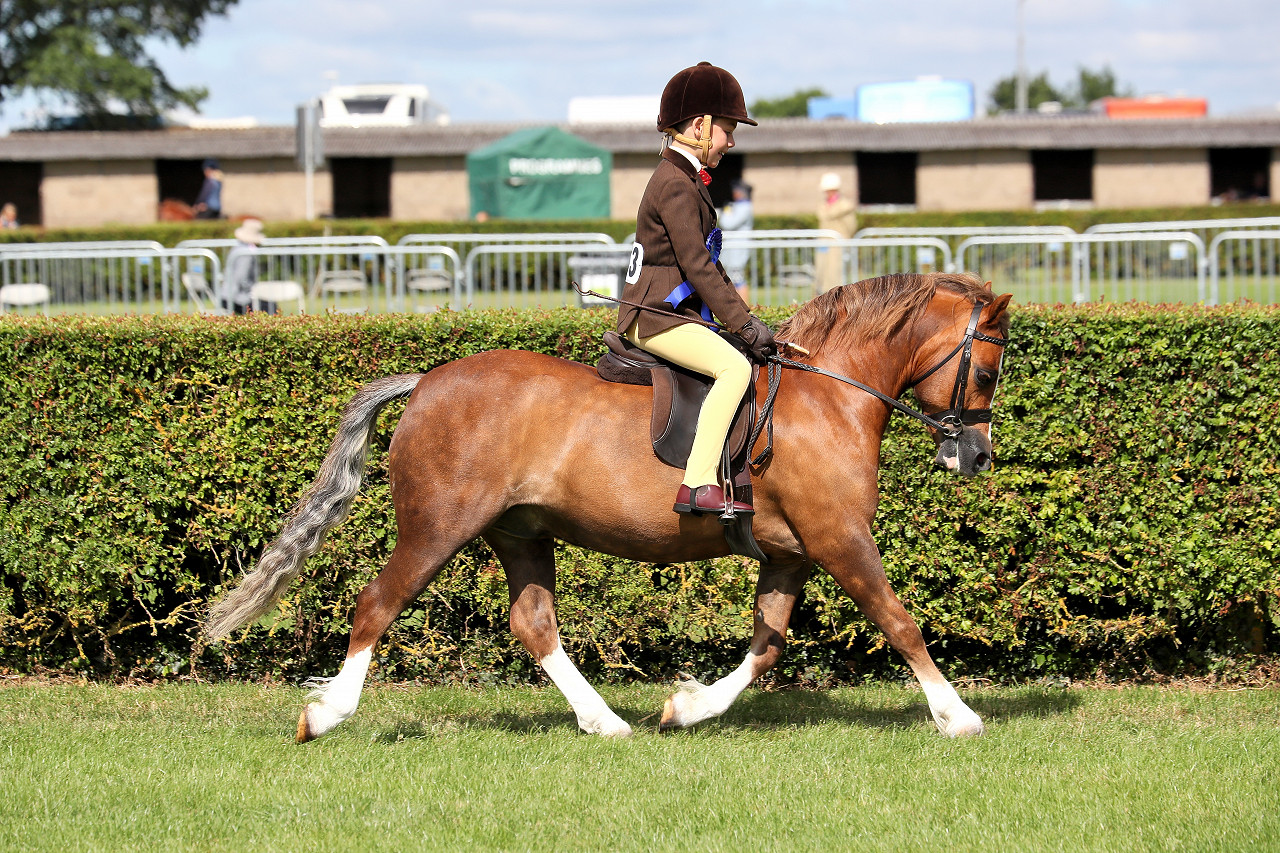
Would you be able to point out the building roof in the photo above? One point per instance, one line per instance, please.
(174, 144)
(773, 135)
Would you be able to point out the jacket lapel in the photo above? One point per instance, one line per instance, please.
(706, 196)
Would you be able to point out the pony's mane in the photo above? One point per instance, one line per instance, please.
(873, 309)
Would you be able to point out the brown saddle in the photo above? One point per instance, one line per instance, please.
(678, 395)
(677, 399)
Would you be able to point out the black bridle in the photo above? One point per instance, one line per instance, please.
(957, 417)
(950, 422)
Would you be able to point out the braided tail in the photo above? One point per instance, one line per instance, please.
(325, 504)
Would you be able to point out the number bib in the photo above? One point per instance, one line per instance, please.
(636, 264)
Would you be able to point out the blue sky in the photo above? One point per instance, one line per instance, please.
(521, 61)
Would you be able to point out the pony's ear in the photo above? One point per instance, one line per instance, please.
(1000, 305)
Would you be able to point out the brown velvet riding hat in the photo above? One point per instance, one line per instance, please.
(702, 90)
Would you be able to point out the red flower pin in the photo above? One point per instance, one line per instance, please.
(706, 178)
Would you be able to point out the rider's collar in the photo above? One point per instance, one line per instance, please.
(693, 159)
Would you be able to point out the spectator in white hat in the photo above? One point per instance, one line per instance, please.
(242, 270)
(836, 213)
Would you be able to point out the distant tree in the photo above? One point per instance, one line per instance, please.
(1088, 87)
(1004, 93)
(1093, 85)
(796, 104)
(91, 54)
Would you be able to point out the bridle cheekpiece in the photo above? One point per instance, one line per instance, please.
(955, 418)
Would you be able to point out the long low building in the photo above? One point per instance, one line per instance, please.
(73, 179)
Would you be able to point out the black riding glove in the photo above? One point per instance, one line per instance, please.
(759, 339)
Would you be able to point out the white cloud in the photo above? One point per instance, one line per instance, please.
(1164, 47)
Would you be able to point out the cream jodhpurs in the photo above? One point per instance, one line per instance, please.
(702, 350)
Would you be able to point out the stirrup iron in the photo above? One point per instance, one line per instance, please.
(728, 516)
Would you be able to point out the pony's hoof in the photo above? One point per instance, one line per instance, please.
(962, 725)
(680, 711)
(304, 730)
(668, 720)
(687, 706)
(619, 731)
(972, 729)
(607, 724)
(317, 720)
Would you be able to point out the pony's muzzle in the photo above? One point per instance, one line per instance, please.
(969, 453)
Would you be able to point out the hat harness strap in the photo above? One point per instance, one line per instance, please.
(703, 145)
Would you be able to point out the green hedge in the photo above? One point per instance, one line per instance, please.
(1130, 526)
(171, 233)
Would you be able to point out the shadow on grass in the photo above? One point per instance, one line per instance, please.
(757, 711)
(793, 708)
(534, 723)
(1025, 703)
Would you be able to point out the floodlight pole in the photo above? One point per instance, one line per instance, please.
(310, 150)
(1020, 90)
(311, 188)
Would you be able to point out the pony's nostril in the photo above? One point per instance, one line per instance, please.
(982, 462)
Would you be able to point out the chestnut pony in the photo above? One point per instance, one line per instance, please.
(558, 453)
(173, 210)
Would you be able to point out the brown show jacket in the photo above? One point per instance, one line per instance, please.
(673, 222)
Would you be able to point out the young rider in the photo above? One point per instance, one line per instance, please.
(674, 270)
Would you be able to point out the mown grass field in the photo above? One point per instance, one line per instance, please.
(211, 768)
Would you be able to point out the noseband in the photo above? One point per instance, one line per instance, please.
(957, 417)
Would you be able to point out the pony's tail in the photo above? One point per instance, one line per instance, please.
(325, 504)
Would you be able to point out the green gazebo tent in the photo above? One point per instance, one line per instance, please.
(540, 173)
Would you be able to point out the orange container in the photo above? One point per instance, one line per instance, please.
(1155, 107)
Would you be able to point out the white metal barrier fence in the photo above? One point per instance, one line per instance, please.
(1205, 229)
(1244, 265)
(520, 275)
(1049, 264)
(79, 246)
(358, 278)
(779, 271)
(223, 245)
(955, 235)
(294, 278)
(462, 243)
(789, 270)
(107, 280)
(279, 261)
(1151, 267)
(776, 266)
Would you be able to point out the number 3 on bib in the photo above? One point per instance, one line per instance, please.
(637, 263)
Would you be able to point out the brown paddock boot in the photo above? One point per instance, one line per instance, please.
(706, 499)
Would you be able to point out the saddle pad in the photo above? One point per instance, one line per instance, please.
(618, 365)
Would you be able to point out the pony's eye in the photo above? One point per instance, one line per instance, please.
(985, 378)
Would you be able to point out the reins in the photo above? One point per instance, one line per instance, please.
(951, 422)
(765, 421)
